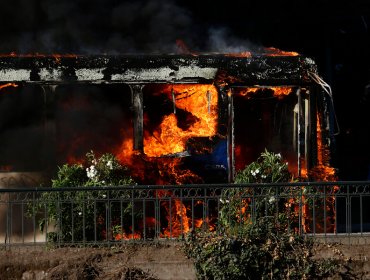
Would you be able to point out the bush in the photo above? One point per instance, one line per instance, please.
(261, 251)
(258, 246)
(82, 215)
(236, 203)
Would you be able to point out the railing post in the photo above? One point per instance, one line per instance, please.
(83, 218)
(132, 214)
(34, 216)
(300, 224)
(157, 215)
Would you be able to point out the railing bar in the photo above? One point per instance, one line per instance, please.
(185, 186)
(181, 211)
(325, 223)
(349, 228)
(170, 210)
(22, 219)
(46, 222)
(204, 208)
(109, 221)
(192, 214)
(300, 215)
(314, 214)
(83, 220)
(73, 231)
(34, 217)
(59, 220)
(144, 218)
(95, 222)
(132, 214)
(336, 214)
(361, 217)
(253, 208)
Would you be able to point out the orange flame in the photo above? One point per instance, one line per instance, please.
(321, 172)
(279, 92)
(8, 85)
(127, 236)
(276, 52)
(178, 220)
(241, 54)
(126, 151)
(201, 102)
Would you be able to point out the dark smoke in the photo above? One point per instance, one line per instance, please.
(93, 26)
(109, 26)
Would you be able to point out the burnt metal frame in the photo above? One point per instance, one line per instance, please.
(225, 72)
(21, 228)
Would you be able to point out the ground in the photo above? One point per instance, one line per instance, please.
(145, 261)
(132, 261)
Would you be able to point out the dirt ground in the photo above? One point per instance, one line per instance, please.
(148, 261)
(132, 261)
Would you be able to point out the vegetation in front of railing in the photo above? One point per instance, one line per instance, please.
(262, 246)
(237, 204)
(81, 215)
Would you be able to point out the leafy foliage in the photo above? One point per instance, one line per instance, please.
(258, 245)
(262, 251)
(268, 168)
(82, 215)
(237, 203)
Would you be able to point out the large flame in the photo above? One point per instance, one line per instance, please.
(322, 171)
(201, 102)
(325, 215)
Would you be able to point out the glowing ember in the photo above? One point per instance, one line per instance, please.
(276, 52)
(127, 236)
(279, 92)
(8, 85)
(6, 168)
(241, 54)
(201, 102)
(37, 55)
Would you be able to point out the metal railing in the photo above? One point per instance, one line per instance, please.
(105, 215)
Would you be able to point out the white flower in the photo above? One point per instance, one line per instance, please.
(272, 199)
(278, 155)
(255, 172)
(79, 213)
(104, 196)
(110, 164)
(91, 172)
(103, 182)
(263, 176)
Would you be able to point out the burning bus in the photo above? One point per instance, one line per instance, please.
(172, 119)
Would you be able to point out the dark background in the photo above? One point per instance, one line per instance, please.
(334, 33)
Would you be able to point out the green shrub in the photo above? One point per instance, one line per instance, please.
(237, 203)
(262, 251)
(87, 215)
(258, 245)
